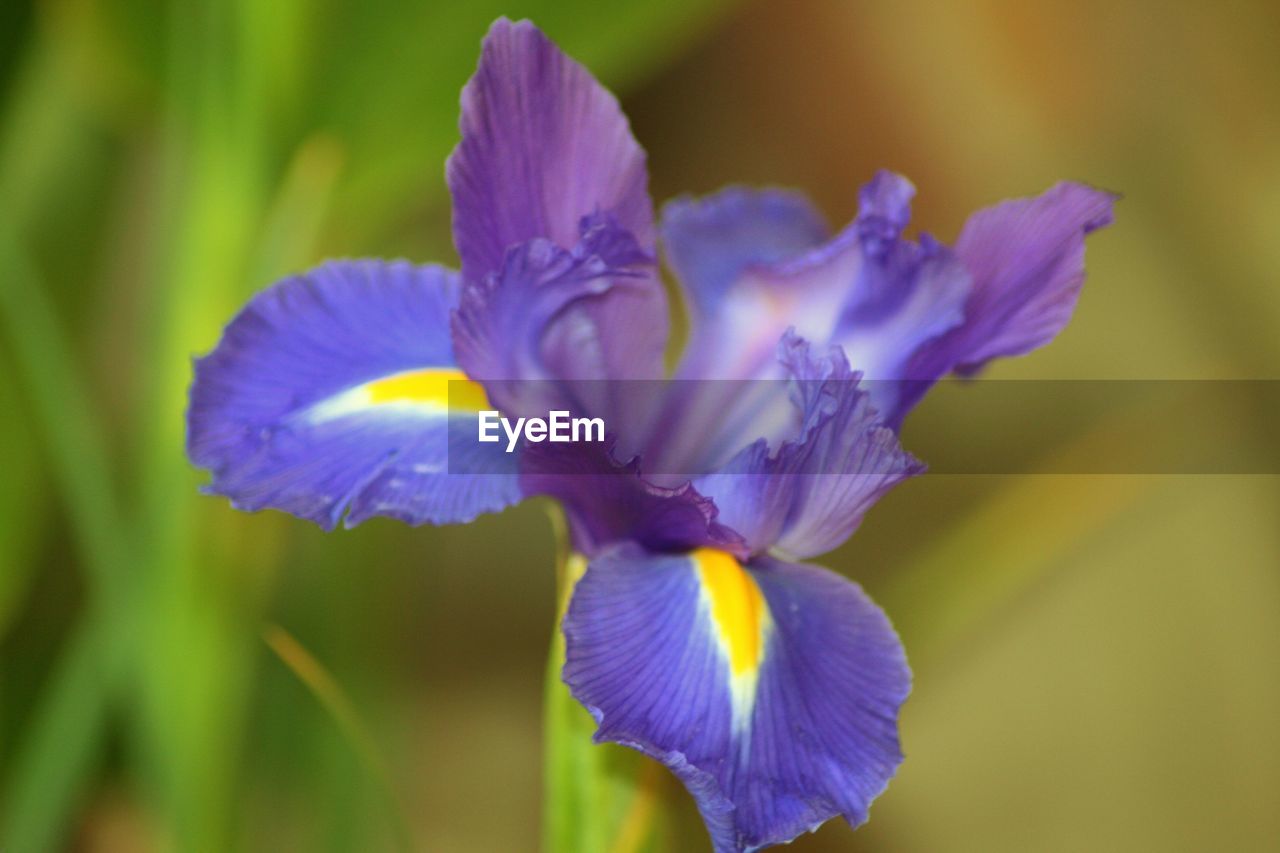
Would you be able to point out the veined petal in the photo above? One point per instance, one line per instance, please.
(771, 691)
(543, 146)
(1027, 261)
(544, 330)
(867, 289)
(713, 244)
(809, 495)
(878, 296)
(335, 391)
(904, 293)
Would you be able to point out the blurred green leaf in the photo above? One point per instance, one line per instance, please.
(51, 771)
(52, 767)
(22, 500)
(339, 706)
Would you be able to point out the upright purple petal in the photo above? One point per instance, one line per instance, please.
(879, 296)
(772, 692)
(884, 206)
(544, 147)
(711, 241)
(808, 495)
(335, 392)
(876, 296)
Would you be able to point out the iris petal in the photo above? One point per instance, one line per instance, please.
(880, 297)
(334, 392)
(710, 241)
(772, 690)
(808, 495)
(906, 313)
(540, 333)
(543, 146)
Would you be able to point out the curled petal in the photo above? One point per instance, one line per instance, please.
(543, 147)
(884, 206)
(809, 495)
(335, 392)
(771, 691)
(551, 327)
(877, 295)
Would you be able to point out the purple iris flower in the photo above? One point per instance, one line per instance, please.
(770, 687)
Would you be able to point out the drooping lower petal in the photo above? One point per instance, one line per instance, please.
(335, 392)
(772, 691)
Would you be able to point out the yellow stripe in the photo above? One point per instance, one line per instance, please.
(738, 608)
(446, 387)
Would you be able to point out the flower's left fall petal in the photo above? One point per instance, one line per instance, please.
(772, 692)
(809, 494)
(335, 391)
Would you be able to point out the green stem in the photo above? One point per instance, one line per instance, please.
(596, 797)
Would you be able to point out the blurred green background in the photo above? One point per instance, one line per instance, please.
(1097, 658)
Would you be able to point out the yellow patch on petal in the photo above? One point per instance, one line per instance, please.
(737, 607)
(740, 616)
(446, 387)
(431, 391)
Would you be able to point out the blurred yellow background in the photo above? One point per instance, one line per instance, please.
(1097, 658)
